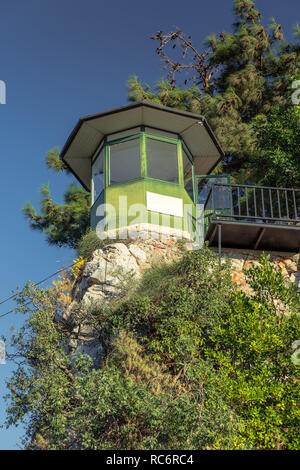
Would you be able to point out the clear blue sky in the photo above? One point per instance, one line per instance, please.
(62, 59)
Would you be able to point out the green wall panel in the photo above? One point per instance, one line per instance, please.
(135, 193)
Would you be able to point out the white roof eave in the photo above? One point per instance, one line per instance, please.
(89, 132)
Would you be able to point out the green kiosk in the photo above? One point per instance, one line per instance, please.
(147, 168)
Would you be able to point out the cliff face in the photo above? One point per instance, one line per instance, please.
(288, 263)
(115, 269)
(107, 275)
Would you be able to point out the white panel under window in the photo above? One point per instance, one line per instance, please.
(164, 204)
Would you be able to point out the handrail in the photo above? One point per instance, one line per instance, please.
(265, 204)
(254, 186)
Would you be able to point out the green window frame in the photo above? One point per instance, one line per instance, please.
(111, 144)
(168, 141)
(191, 178)
(142, 135)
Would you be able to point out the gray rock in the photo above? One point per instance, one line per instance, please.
(138, 253)
(91, 348)
(93, 295)
(89, 268)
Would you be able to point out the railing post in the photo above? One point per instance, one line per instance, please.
(213, 200)
(295, 205)
(271, 203)
(231, 201)
(287, 205)
(279, 204)
(220, 242)
(239, 200)
(254, 199)
(263, 203)
(247, 202)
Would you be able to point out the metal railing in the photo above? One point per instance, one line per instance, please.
(257, 204)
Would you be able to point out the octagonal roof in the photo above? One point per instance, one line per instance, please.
(87, 135)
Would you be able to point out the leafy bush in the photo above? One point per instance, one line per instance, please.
(88, 243)
(252, 348)
(189, 362)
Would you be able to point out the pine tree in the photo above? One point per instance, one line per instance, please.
(64, 224)
(277, 162)
(238, 76)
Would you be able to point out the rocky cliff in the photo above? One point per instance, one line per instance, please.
(115, 269)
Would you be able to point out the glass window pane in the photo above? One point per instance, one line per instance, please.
(221, 193)
(97, 176)
(125, 161)
(162, 160)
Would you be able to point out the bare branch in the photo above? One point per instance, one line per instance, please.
(190, 60)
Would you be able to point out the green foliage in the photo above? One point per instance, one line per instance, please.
(132, 402)
(188, 362)
(239, 76)
(64, 224)
(252, 348)
(88, 243)
(278, 162)
(55, 163)
(40, 389)
(139, 405)
(165, 94)
(186, 297)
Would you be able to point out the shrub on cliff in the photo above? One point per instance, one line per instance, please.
(253, 347)
(189, 363)
(195, 315)
(88, 243)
